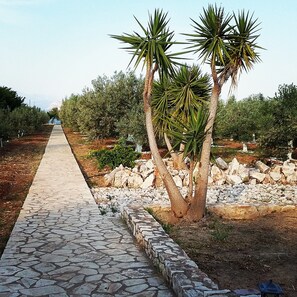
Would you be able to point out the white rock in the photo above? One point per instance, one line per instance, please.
(121, 178)
(262, 167)
(146, 173)
(182, 174)
(109, 178)
(244, 173)
(216, 173)
(186, 180)
(276, 176)
(288, 163)
(142, 168)
(174, 172)
(292, 179)
(135, 169)
(233, 179)
(210, 180)
(288, 169)
(135, 180)
(253, 181)
(178, 181)
(221, 181)
(148, 182)
(233, 167)
(221, 163)
(276, 168)
(150, 164)
(258, 176)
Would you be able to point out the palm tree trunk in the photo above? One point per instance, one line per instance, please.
(170, 149)
(179, 206)
(197, 208)
(180, 158)
(177, 159)
(190, 189)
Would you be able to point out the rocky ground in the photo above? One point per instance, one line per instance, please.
(273, 197)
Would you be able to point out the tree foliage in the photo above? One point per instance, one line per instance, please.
(120, 154)
(101, 110)
(9, 99)
(272, 120)
(16, 118)
(282, 127)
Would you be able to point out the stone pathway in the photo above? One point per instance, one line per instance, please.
(62, 246)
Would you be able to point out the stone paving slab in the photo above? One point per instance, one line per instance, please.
(62, 246)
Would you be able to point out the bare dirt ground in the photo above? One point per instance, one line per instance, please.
(19, 160)
(236, 254)
(240, 254)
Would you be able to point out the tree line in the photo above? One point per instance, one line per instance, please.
(271, 120)
(113, 108)
(16, 118)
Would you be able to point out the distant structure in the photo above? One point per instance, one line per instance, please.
(54, 121)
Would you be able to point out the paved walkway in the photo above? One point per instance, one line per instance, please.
(62, 246)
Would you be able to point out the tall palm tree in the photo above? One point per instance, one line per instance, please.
(152, 48)
(228, 49)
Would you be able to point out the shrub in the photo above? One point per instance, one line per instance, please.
(120, 154)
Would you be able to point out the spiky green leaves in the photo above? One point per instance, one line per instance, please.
(227, 42)
(175, 97)
(153, 44)
(191, 134)
(210, 38)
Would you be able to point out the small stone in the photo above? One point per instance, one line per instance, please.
(233, 167)
(233, 179)
(178, 181)
(262, 167)
(221, 163)
(134, 180)
(258, 176)
(148, 182)
(276, 176)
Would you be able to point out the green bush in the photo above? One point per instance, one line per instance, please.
(120, 154)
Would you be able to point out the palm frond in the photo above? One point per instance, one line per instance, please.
(210, 37)
(153, 45)
(190, 134)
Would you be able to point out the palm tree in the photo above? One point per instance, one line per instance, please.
(175, 98)
(228, 49)
(153, 50)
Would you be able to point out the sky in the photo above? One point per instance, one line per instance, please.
(53, 48)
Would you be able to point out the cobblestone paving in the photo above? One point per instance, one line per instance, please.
(62, 246)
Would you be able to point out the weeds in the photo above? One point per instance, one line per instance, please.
(166, 226)
(220, 231)
(102, 210)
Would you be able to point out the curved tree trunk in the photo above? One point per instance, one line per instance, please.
(177, 158)
(178, 205)
(197, 208)
(170, 149)
(190, 189)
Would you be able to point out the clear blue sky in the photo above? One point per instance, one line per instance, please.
(52, 48)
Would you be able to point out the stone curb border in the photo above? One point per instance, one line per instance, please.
(183, 274)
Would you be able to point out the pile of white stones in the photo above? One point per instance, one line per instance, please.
(144, 175)
(235, 191)
(242, 201)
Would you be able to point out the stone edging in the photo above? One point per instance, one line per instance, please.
(183, 274)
